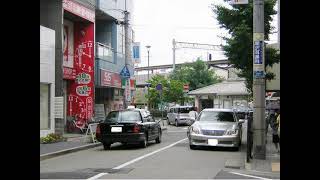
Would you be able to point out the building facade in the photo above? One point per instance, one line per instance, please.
(113, 91)
(47, 80)
(89, 56)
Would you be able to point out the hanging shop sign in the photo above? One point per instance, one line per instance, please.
(110, 79)
(79, 10)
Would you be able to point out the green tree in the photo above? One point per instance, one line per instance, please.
(239, 48)
(196, 74)
(172, 91)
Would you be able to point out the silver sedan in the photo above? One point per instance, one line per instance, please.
(216, 127)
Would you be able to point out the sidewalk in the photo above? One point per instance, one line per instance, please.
(75, 142)
(272, 162)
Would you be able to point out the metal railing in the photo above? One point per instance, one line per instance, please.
(104, 52)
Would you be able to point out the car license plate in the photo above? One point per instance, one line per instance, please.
(212, 142)
(116, 129)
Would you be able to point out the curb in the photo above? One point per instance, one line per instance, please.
(66, 151)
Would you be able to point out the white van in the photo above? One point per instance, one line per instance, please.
(180, 115)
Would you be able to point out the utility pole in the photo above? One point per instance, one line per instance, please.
(126, 51)
(259, 122)
(174, 53)
(148, 104)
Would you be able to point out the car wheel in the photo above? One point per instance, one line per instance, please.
(192, 147)
(158, 140)
(145, 142)
(236, 148)
(176, 123)
(106, 146)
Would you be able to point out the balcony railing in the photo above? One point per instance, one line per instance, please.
(104, 52)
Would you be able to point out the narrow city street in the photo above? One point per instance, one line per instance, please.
(172, 158)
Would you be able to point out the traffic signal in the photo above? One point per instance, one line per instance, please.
(210, 57)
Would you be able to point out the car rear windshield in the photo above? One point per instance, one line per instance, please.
(216, 116)
(186, 109)
(123, 116)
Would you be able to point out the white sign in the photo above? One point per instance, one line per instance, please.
(239, 2)
(116, 129)
(58, 107)
(212, 142)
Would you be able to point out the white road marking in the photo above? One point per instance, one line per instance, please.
(146, 155)
(250, 176)
(97, 176)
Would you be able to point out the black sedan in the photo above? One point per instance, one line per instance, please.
(128, 127)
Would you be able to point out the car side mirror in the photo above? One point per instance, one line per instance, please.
(241, 121)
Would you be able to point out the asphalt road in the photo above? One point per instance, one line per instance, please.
(171, 159)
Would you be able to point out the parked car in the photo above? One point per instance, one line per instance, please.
(131, 126)
(216, 127)
(180, 115)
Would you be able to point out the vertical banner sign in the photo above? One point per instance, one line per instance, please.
(258, 57)
(80, 102)
(127, 90)
(68, 47)
(136, 52)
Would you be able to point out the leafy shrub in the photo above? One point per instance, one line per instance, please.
(51, 138)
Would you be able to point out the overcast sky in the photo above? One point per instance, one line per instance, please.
(157, 22)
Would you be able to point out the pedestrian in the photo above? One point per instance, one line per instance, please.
(275, 136)
(278, 122)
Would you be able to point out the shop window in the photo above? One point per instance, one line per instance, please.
(44, 106)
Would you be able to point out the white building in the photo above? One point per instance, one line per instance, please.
(227, 94)
(47, 80)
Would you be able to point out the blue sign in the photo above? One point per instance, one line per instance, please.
(159, 87)
(258, 74)
(136, 52)
(258, 53)
(125, 72)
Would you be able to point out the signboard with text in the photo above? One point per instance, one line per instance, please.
(110, 79)
(239, 2)
(79, 10)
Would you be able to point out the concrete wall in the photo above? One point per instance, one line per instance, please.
(47, 71)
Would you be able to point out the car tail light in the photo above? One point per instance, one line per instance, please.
(136, 128)
(98, 130)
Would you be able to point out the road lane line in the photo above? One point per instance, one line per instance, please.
(249, 175)
(97, 176)
(146, 155)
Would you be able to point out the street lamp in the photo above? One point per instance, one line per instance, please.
(148, 48)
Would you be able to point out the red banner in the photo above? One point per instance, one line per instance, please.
(132, 84)
(80, 101)
(110, 79)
